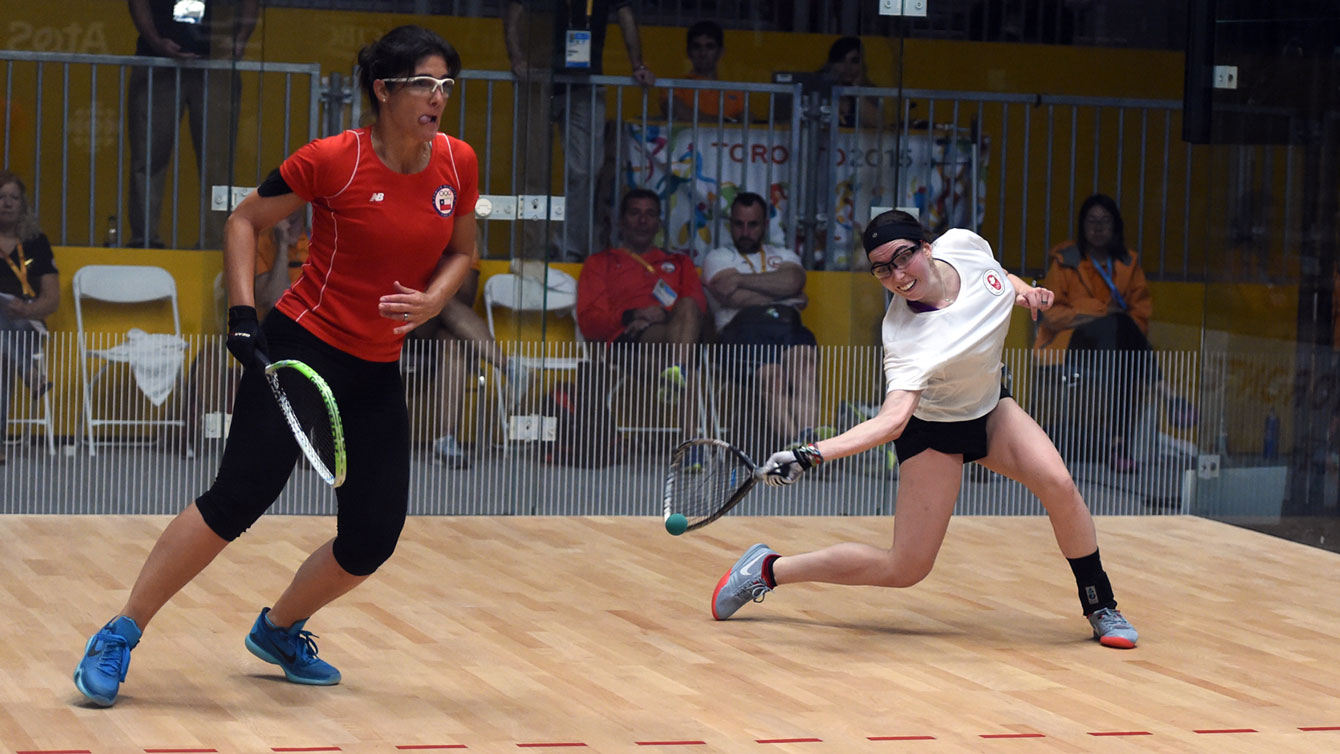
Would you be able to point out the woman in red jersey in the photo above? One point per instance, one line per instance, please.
(393, 229)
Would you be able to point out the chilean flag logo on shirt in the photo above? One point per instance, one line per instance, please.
(444, 200)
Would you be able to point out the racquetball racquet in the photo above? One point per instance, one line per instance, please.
(309, 409)
(706, 479)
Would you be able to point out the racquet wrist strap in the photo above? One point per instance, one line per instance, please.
(808, 456)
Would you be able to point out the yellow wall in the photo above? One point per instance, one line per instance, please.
(194, 272)
(845, 307)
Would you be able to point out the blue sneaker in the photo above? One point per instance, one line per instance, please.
(106, 660)
(1111, 629)
(291, 649)
(742, 583)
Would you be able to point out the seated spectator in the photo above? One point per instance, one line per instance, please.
(458, 321)
(280, 254)
(29, 293)
(846, 66)
(756, 292)
(638, 293)
(1103, 304)
(705, 44)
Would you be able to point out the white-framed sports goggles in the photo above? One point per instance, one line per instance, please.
(424, 85)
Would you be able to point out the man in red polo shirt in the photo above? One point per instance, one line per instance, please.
(638, 293)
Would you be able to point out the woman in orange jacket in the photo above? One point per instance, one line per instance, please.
(1101, 290)
(1102, 304)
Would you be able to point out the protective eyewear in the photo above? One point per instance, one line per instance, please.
(900, 261)
(424, 86)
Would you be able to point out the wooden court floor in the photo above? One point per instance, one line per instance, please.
(547, 634)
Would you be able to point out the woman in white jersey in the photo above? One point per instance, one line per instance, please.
(944, 407)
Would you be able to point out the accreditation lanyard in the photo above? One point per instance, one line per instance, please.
(1107, 278)
(640, 261)
(762, 262)
(661, 291)
(21, 272)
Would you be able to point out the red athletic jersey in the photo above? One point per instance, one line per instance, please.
(371, 227)
(615, 281)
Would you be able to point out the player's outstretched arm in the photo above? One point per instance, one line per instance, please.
(785, 467)
(883, 427)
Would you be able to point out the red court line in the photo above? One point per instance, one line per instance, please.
(788, 741)
(54, 751)
(1227, 730)
(1012, 735)
(1121, 733)
(900, 738)
(1312, 728)
(425, 747)
(670, 743)
(550, 745)
(305, 748)
(179, 751)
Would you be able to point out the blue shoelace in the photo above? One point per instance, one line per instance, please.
(304, 645)
(114, 654)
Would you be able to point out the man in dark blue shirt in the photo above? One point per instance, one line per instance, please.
(548, 37)
(217, 29)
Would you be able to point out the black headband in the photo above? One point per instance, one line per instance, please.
(879, 234)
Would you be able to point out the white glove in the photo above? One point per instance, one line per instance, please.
(785, 466)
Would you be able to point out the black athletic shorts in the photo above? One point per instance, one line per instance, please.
(967, 437)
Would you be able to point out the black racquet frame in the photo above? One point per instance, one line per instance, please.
(714, 509)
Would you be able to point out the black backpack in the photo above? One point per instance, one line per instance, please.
(584, 433)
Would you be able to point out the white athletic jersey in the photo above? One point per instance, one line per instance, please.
(727, 258)
(953, 354)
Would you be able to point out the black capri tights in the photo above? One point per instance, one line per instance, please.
(260, 452)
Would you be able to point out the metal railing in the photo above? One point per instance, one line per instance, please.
(64, 116)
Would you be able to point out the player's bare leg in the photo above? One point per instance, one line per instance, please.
(927, 489)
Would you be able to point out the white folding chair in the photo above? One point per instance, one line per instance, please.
(124, 287)
(36, 412)
(557, 295)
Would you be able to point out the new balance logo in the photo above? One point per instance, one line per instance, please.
(377, 196)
